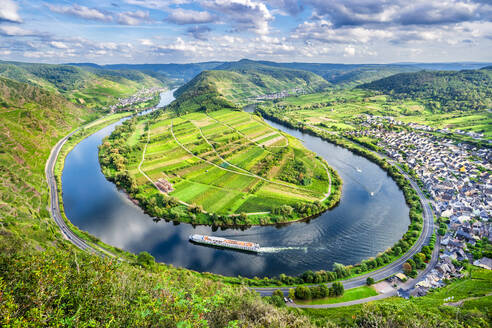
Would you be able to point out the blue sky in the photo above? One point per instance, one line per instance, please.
(178, 31)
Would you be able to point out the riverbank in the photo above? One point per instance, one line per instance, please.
(77, 136)
(109, 215)
(420, 220)
(78, 236)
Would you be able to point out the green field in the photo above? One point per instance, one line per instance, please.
(215, 160)
(225, 162)
(348, 295)
(337, 110)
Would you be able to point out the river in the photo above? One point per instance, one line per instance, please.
(372, 216)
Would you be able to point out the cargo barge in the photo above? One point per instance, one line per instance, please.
(226, 243)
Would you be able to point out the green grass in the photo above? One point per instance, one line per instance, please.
(349, 295)
(473, 313)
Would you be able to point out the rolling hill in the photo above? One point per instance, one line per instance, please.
(239, 82)
(88, 86)
(201, 94)
(257, 79)
(441, 90)
(341, 75)
(32, 119)
(175, 74)
(45, 281)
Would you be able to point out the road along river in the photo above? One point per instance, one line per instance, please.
(372, 216)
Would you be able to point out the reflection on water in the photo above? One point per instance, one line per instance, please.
(361, 226)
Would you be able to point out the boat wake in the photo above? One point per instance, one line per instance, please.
(280, 249)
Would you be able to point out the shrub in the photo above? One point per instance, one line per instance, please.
(303, 293)
(145, 259)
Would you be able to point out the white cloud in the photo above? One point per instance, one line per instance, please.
(68, 53)
(11, 30)
(157, 4)
(183, 16)
(400, 12)
(8, 12)
(133, 18)
(58, 45)
(146, 42)
(324, 31)
(81, 11)
(349, 51)
(243, 14)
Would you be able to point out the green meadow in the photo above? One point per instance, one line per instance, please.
(337, 110)
(462, 303)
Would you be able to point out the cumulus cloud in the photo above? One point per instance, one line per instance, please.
(58, 45)
(287, 7)
(243, 14)
(157, 4)
(8, 12)
(133, 18)
(349, 51)
(199, 31)
(81, 12)
(428, 13)
(322, 30)
(11, 30)
(416, 12)
(354, 12)
(184, 16)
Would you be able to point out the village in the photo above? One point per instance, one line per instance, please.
(281, 94)
(457, 179)
(374, 119)
(139, 97)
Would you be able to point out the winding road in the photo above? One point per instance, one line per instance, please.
(392, 268)
(54, 201)
(379, 274)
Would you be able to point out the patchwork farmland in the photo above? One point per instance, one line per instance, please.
(227, 162)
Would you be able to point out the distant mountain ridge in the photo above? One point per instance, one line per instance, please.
(176, 74)
(344, 75)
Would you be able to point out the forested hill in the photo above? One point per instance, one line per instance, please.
(201, 94)
(32, 120)
(441, 90)
(88, 86)
(240, 82)
(263, 79)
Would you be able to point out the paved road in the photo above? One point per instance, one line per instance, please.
(55, 206)
(354, 302)
(396, 266)
(379, 274)
(403, 291)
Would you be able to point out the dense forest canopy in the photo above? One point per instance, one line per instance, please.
(200, 94)
(442, 90)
